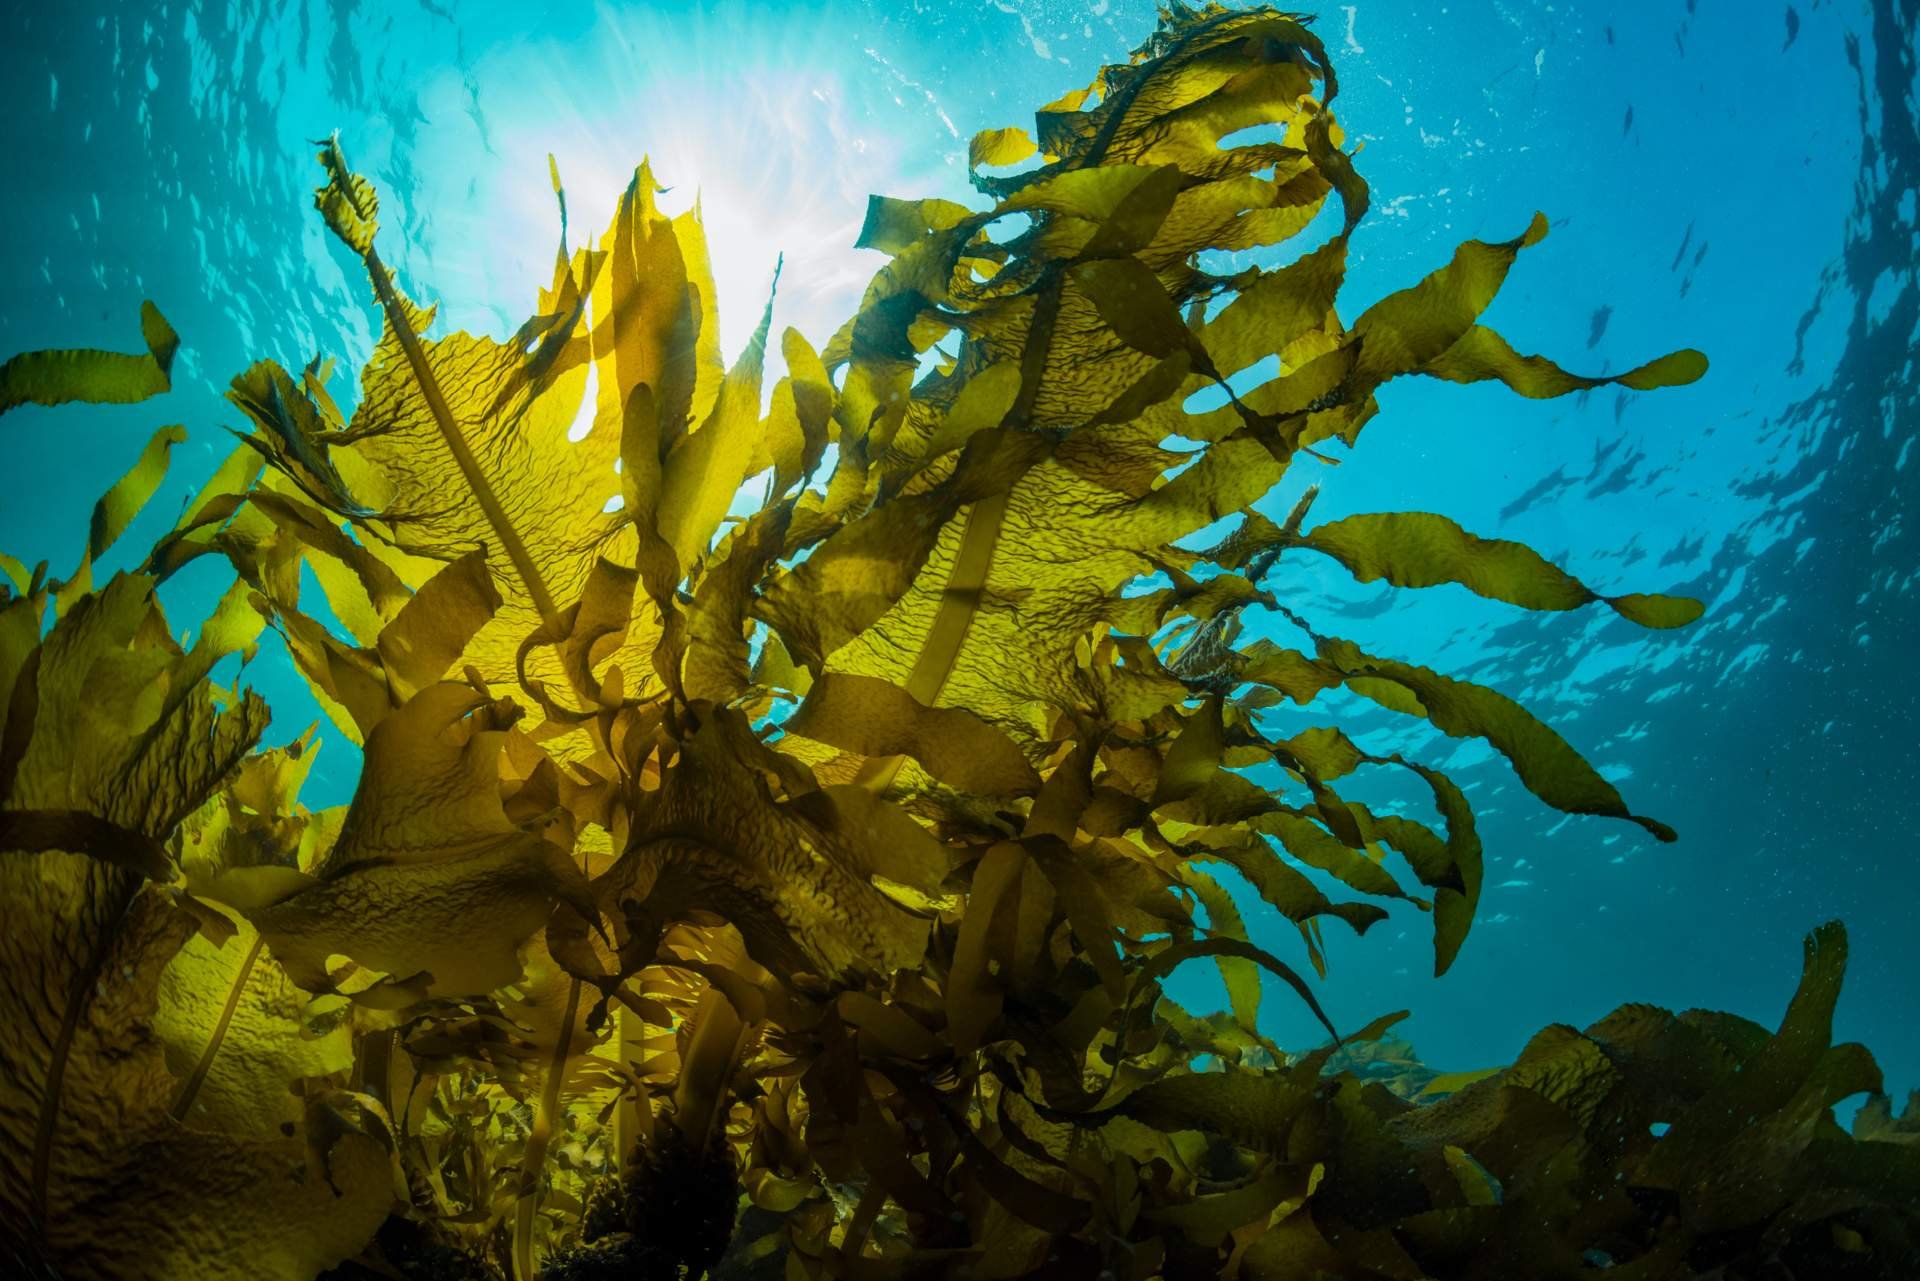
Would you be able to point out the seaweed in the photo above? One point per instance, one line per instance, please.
(794, 892)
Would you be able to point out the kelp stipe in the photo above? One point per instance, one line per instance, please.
(792, 895)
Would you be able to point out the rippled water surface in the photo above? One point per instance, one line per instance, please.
(1738, 177)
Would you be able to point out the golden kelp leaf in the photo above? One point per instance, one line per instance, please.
(119, 505)
(293, 427)
(115, 736)
(111, 726)
(868, 566)
(1238, 975)
(892, 225)
(1405, 330)
(1481, 354)
(791, 879)
(1421, 549)
(347, 202)
(99, 377)
(407, 638)
(876, 718)
(1193, 758)
(216, 1198)
(429, 874)
(999, 147)
(716, 667)
(1177, 954)
(1549, 767)
(235, 1030)
(699, 478)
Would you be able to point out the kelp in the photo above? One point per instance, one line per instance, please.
(793, 893)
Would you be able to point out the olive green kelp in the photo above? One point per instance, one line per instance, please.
(791, 894)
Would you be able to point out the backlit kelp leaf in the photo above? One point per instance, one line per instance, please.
(717, 664)
(875, 718)
(999, 147)
(113, 738)
(1238, 974)
(236, 1034)
(237, 1031)
(699, 478)
(724, 835)
(1421, 549)
(216, 1198)
(1545, 762)
(112, 735)
(429, 875)
(121, 503)
(1482, 354)
(99, 377)
(294, 427)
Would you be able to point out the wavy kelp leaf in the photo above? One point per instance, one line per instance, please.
(98, 377)
(215, 1197)
(1481, 354)
(730, 831)
(1177, 954)
(1238, 975)
(113, 723)
(236, 1033)
(120, 504)
(718, 664)
(698, 480)
(293, 424)
(1431, 329)
(104, 712)
(999, 147)
(429, 874)
(1544, 761)
(876, 718)
(1421, 549)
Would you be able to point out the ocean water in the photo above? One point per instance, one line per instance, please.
(1738, 177)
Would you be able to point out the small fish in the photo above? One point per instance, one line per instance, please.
(1793, 29)
(1598, 326)
(1627, 127)
(1681, 252)
(1609, 36)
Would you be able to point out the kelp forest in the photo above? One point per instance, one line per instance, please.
(781, 809)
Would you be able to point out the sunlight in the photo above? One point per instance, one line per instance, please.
(779, 142)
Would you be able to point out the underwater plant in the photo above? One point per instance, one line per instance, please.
(792, 893)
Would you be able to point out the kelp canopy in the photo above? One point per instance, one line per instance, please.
(791, 894)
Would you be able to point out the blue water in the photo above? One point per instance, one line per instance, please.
(1729, 175)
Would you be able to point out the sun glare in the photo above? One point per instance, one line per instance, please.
(779, 142)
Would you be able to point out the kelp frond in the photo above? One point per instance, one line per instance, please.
(794, 893)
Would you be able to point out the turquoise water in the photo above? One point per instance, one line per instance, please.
(1737, 177)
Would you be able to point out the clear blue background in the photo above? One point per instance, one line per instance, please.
(1733, 176)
